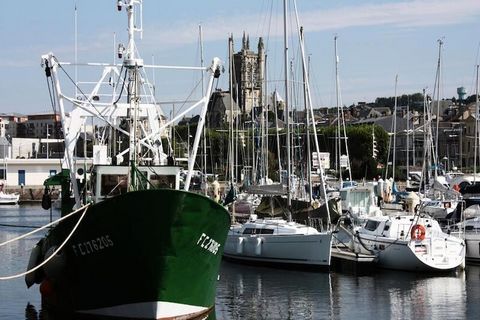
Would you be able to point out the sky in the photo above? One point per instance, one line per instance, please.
(377, 40)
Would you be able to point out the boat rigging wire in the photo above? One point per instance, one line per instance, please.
(83, 94)
(18, 226)
(84, 208)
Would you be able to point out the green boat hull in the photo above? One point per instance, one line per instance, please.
(148, 249)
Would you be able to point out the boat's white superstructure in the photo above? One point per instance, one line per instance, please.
(8, 198)
(410, 242)
(360, 201)
(279, 242)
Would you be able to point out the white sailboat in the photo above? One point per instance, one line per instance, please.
(282, 242)
(410, 243)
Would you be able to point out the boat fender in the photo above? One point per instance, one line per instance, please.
(33, 261)
(55, 267)
(418, 232)
(240, 245)
(46, 288)
(46, 200)
(258, 247)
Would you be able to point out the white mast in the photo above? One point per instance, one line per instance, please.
(408, 142)
(439, 70)
(312, 116)
(338, 145)
(307, 125)
(394, 129)
(341, 117)
(231, 131)
(204, 180)
(285, 41)
(476, 129)
(132, 64)
(76, 48)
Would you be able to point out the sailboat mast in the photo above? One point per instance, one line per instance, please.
(204, 158)
(341, 119)
(307, 127)
(476, 129)
(439, 70)
(254, 154)
(231, 131)
(285, 41)
(265, 108)
(339, 136)
(312, 115)
(408, 142)
(395, 128)
(279, 157)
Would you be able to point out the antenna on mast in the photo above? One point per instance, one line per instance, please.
(130, 60)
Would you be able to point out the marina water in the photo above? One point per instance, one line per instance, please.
(246, 292)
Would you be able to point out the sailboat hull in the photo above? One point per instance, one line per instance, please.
(152, 254)
(472, 240)
(296, 250)
(438, 255)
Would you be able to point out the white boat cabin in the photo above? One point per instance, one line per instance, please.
(399, 227)
(360, 200)
(274, 227)
(110, 181)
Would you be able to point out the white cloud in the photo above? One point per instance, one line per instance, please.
(404, 14)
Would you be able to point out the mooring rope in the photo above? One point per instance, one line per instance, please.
(44, 227)
(84, 208)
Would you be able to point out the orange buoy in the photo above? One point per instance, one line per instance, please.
(418, 232)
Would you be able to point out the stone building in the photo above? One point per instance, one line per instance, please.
(249, 72)
(219, 110)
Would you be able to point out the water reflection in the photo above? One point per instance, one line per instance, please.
(246, 292)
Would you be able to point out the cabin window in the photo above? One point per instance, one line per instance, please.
(266, 231)
(249, 231)
(372, 225)
(113, 184)
(257, 231)
(163, 181)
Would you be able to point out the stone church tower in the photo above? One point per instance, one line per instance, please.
(249, 76)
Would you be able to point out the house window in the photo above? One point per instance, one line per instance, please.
(3, 174)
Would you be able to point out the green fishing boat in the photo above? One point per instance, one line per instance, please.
(133, 242)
